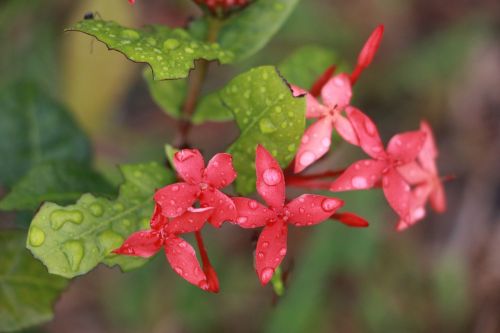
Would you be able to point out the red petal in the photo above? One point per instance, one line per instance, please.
(220, 171)
(314, 144)
(397, 193)
(141, 244)
(413, 173)
(314, 109)
(367, 132)
(428, 153)
(192, 220)
(337, 92)
(270, 178)
(297, 91)
(346, 130)
(158, 220)
(176, 198)
(360, 175)
(271, 249)
(224, 207)
(322, 80)
(438, 198)
(212, 279)
(189, 165)
(368, 52)
(351, 220)
(251, 214)
(182, 258)
(406, 146)
(309, 209)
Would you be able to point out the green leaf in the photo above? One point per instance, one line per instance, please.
(266, 113)
(27, 291)
(170, 152)
(169, 95)
(59, 182)
(72, 240)
(306, 64)
(248, 31)
(211, 108)
(169, 52)
(34, 129)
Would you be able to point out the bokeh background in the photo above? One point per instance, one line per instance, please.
(439, 60)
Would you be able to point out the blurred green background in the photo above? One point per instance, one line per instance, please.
(439, 60)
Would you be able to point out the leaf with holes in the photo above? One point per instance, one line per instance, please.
(59, 182)
(27, 290)
(169, 95)
(34, 129)
(72, 240)
(170, 52)
(248, 31)
(266, 113)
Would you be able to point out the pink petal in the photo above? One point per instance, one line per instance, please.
(406, 146)
(360, 175)
(141, 244)
(322, 80)
(224, 207)
(309, 209)
(337, 92)
(351, 220)
(397, 193)
(192, 220)
(271, 249)
(182, 258)
(314, 144)
(158, 220)
(252, 214)
(428, 153)
(314, 109)
(297, 91)
(367, 132)
(438, 198)
(220, 171)
(371, 46)
(175, 199)
(189, 165)
(270, 179)
(413, 173)
(346, 130)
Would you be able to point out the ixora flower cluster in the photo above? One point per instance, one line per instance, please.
(406, 171)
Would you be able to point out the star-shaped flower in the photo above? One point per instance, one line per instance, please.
(164, 233)
(423, 174)
(336, 95)
(306, 210)
(402, 149)
(199, 183)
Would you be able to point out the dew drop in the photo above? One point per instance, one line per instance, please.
(260, 255)
(267, 126)
(266, 275)
(305, 139)
(203, 284)
(326, 142)
(418, 213)
(73, 250)
(130, 34)
(359, 182)
(175, 188)
(189, 50)
(302, 210)
(306, 158)
(329, 204)
(171, 44)
(283, 251)
(291, 147)
(271, 176)
(370, 127)
(242, 219)
(253, 204)
(109, 240)
(265, 244)
(96, 209)
(59, 217)
(179, 270)
(36, 236)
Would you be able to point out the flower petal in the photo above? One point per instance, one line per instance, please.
(271, 249)
(371, 46)
(189, 165)
(251, 214)
(270, 179)
(322, 80)
(406, 146)
(428, 153)
(337, 92)
(346, 130)
(141, 244)
(309, 209)
(367, 132)
(360, 175)
(438, 197)
(351, 220)
(413, 173)
(314, 144)
(175, 199)
(158, 220)
(224, 207)
(192, 220)
(181, 256)
(397, 193)
(220, 171)
(314, 109)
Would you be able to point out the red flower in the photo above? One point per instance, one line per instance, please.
(199, 183)
(223, 4)
(308, 209)
(131, 1)
(180, 254)
(423, 174)
(402, 149)
(336, 93)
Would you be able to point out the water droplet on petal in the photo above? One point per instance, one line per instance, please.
(370, 127)
(260, 255)
(305, 139)
(359, 182)
(329, 204)
(175, 188)
(253, 204)
(242, 219)
(326, 142)
(266, 275)
(179, 270)
(271, 176)
(302, 210)
(283, 251)
(306, 158)
(265, 244)
(204, 285)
